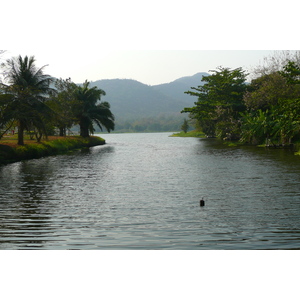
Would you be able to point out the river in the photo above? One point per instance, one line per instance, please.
(142, 191)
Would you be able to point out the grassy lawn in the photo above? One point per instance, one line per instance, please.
(193, 133)
(12, 140)
(10, 151)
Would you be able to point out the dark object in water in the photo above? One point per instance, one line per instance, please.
(202, 202)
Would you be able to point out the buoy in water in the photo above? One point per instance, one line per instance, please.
(202, 202)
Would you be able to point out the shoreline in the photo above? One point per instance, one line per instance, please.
(193, 133)
(11, 153)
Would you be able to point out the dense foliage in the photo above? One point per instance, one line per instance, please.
(273, 110)
(266, 111)
(159, 123)
(87, 111)
(33, 101)
(24, 97)
(220, 102)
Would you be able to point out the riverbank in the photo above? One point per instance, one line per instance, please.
(198, 134)
(11, 152)
(193, 133)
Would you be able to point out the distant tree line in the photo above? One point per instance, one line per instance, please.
(39, 104)
(264, 111)
(160, 123)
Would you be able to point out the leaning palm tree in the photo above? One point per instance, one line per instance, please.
(27, 87)
(88, 112)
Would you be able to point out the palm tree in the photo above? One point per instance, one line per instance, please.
(87, 111)
(27, 87)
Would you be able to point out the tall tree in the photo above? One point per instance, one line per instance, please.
(27, 89)
(268, 90)
(87, 111)
(291, 72)
(273, 103)
(62, 104)
(275, 62)
(220, 101)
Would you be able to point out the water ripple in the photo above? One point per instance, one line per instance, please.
(142, 191)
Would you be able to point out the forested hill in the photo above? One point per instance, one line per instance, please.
(132, 101)
(176, 89)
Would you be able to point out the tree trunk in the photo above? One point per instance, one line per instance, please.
(38, 136)
(84, 129)
(21, 128)
(84, 132)
(62, 131)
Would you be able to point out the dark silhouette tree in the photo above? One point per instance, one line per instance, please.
(26, 94)
(88, 111)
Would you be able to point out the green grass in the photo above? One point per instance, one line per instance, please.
(297, 148)
(232, 144)
(12, 153)
(193, 133)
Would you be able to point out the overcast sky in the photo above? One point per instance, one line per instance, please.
(150, 41)
(147, 66)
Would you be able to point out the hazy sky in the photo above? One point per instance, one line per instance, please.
(149, 41)
(150, 67)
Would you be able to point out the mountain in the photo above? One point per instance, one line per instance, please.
(176, 89)
(132, 101)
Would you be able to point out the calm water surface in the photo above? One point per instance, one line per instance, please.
(142, 191)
